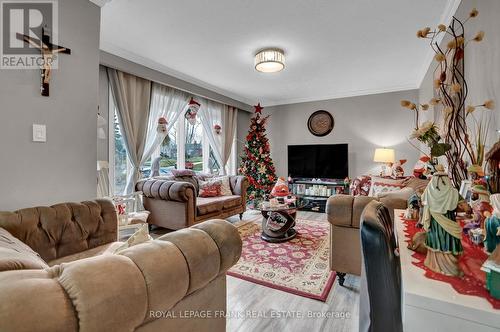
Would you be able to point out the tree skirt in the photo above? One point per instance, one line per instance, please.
(473, 281)
(299, 266)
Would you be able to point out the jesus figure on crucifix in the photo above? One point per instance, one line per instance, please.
(48, 52)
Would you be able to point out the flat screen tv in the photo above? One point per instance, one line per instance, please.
(323, 161)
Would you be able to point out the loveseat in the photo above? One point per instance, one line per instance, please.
(58, 272)
(173, 202)
(344, 213)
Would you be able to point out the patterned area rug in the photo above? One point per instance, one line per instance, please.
(299, 266)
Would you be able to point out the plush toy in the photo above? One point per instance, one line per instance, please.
(162, 126)
(397, 170)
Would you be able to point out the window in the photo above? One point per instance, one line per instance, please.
(213, 164)
(121, 165)
(193, 145)
(168, 152)
(186, 146)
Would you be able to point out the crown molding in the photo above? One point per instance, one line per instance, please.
(342, 94)
(100, 3)
(446, 18)
(135, 58)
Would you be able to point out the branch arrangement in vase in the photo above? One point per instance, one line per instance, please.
(460, 140)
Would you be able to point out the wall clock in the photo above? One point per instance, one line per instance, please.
(320, 123)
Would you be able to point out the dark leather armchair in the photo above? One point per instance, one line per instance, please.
(380, 295)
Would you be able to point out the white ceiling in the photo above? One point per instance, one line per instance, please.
(333, 48)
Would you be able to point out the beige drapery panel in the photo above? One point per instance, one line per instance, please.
(132, 96)
(229, 122)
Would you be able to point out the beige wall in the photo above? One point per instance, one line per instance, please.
(364, 122)
(63, 168)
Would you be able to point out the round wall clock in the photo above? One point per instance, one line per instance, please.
(320, 123)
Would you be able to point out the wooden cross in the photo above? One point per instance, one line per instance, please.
(48, 50)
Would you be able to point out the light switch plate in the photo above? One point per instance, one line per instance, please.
(39, 133)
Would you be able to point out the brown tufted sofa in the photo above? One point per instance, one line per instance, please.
(148, 287)
(174, 204)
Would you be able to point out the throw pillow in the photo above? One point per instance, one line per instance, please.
(182, 172)
(360, 186)
(380, 185)
(402, 194)
(190, 179)
(16, 255)
(205, 176)
(140, 236)
(225, 185)
(417, 184)
(210, 188)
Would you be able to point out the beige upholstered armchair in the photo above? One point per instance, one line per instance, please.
(58, 272)
(344, 213)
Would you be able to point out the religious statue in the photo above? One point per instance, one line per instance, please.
(480, 204)
(444, 234)
(492, 225)
(492, 268)
(481, 208)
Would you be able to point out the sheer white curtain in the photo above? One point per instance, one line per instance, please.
(165, 102)
(211, 114)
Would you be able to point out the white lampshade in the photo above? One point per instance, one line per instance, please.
(383, 155)
(270, 60)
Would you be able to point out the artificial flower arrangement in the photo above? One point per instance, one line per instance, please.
(463, 135)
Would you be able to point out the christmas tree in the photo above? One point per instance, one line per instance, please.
(256, 163)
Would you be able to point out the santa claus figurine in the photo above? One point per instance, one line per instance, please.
(192, 110)
(280, 189)
(162, 126)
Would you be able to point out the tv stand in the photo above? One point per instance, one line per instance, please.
(317, 192)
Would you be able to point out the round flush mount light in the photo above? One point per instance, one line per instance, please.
(270, 60)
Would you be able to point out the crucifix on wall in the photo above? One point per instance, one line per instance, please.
(48, 51)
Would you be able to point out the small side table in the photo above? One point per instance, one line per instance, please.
(130, 217)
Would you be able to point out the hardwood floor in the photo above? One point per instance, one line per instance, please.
(253, 307)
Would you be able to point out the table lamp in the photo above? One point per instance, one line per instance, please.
(386, 156)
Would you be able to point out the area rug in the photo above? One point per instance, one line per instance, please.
(299, 266)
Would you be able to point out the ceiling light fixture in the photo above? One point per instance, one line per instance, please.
(270, 60)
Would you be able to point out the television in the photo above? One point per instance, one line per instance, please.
(321, 161)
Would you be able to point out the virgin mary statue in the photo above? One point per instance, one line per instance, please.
(444, 234)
